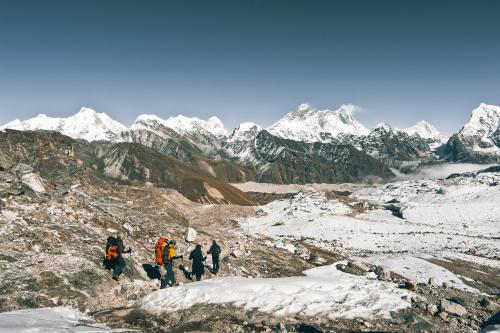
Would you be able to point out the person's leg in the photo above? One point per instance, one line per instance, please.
(118, 267)
(163, 278)
(216, 264)
(170, 274)
(198, 277)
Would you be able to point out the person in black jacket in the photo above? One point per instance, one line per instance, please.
(215, 251)
(198, 269)
(168, 257)
(113, 258)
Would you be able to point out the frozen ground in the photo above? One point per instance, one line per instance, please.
(457, 218)
(323, 291)
(54, 320)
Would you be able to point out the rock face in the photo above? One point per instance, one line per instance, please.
(286, 161)
(479, 140)
(394, 148)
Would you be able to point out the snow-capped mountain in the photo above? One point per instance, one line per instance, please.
(87, 124)
(193, 125)
(424, 130)
(484, 126)
(479, 139)
(392, 146)
(311, 125)
(244, 132)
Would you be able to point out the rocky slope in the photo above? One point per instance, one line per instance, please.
(63, 162)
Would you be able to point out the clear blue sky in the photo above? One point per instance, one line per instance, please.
(401, 61)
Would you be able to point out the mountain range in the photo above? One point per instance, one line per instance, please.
(306, 145)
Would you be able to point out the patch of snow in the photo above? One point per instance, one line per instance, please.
(56, 320)
(418, 269)
(323, 291)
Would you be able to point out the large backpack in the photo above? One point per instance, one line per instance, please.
(160, 246)
(111, 248)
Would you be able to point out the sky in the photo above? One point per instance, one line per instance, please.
(399, 61)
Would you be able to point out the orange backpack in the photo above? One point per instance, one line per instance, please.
(112, 252)
(160, 246)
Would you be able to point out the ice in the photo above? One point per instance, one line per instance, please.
(323, 291)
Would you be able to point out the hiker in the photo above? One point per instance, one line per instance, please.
(197, 268)
(113, 255)
(168, 258)
(215, 251)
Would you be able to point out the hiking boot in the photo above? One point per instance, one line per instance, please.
(115, 277)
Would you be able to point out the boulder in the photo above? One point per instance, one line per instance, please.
(358, 265)
(452, 308)
(236, 253)
(22, 169)
(489, 305)
(303, 252)
(320, 261)
(190, 235)
(383, 273)
(435, 282)
(33, 181)
(410, 285)
(432, 309)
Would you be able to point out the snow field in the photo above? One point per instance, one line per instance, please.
(441, 219)
(323, 291)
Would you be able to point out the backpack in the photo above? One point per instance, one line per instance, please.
(111, 248)
(216, 250)
(160, 246)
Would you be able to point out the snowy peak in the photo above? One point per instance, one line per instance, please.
(484, 121)
(192, 125)
(308, 124)
(383, 127)
(87, 124)
(245, 132)
(424, 130)
(147, 122)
